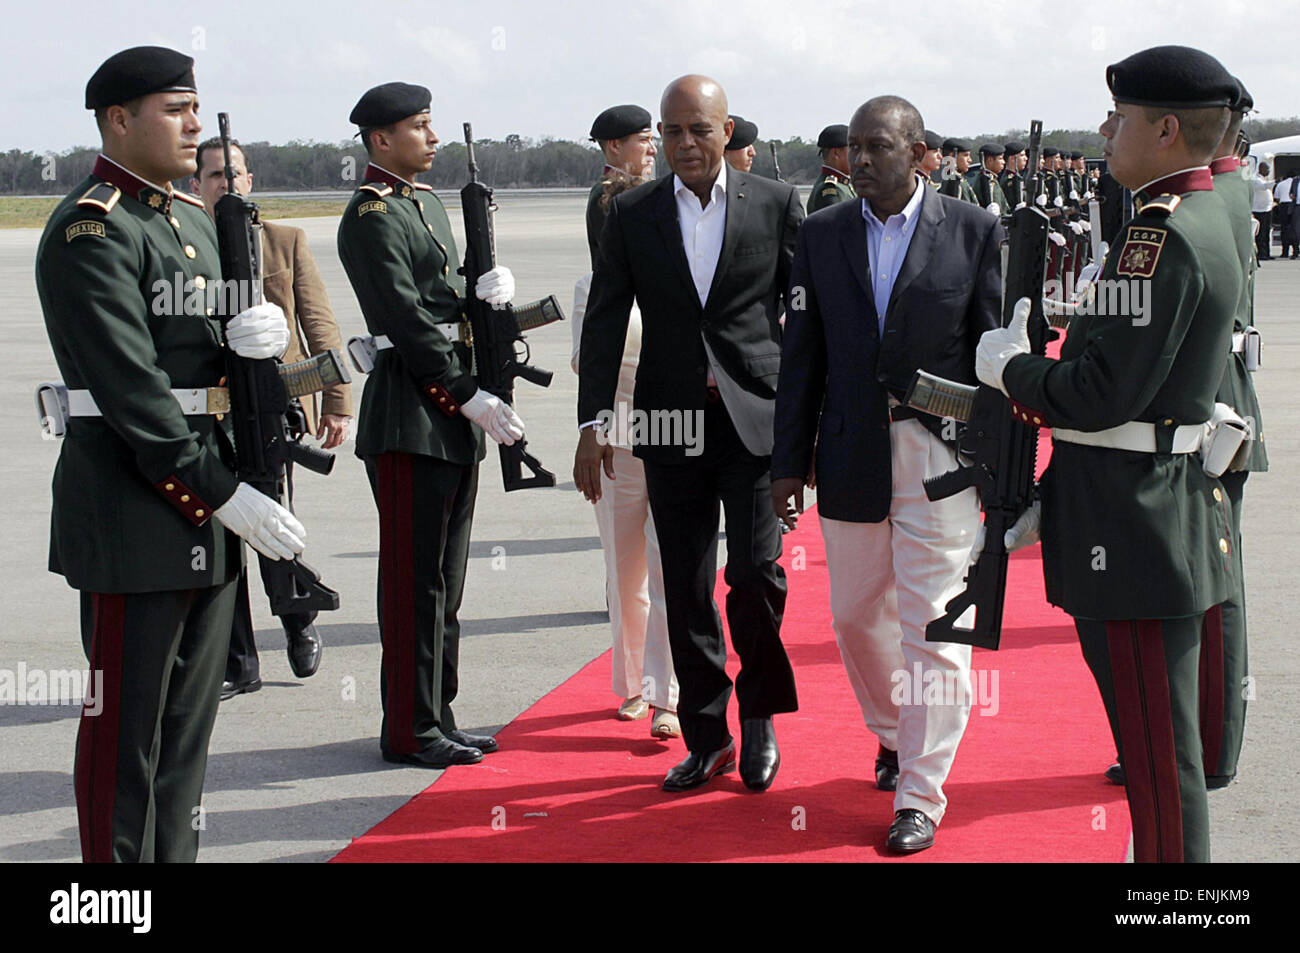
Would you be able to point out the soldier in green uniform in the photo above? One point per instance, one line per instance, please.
(987, 190)
(624, 136)
(1137, 538)
(832, 184)
(418, 429)
(1223, 657)
(955, 182)
(1015, 157)
(740, 149)
(147, 507)
(932, 161)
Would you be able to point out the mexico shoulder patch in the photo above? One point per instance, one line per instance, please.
(1141, 251)
(376, 206)
(77, 229)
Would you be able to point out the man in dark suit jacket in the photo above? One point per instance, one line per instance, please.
(706, 253)
(904, 279)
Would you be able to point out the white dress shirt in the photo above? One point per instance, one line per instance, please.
(702, 228)
(1262, 199)
(1282, 191)
(887, 244)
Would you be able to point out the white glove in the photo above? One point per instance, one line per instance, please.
(1086, 226)
(1074, 195)
(1019, 206)
(258, 332)
(1041, 200)
(999, 346)
(496, 287)
(262, 523)
(993, 208)
(1056, 238)
(497, 418)
(1087, 275)
(1027, 529)
(1058, 202)
(1076, 227)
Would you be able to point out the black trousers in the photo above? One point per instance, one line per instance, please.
(1287, 221)
(242, 664)
(142, 755)
(1148, 674)
(685, 499)
(1264, 237)
(425, 508)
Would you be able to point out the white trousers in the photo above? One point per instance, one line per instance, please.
(888, 580)
(634, 584)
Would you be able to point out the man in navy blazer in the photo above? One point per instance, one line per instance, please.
(901, 280)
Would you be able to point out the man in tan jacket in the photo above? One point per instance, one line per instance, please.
(291, 280)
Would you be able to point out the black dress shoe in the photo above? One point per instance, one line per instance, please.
(1215, 781)
(759, 755)
(1115, 774)
(886, 769)
(484, 743)
(441, 754)
(304, 651)
(698, 768)
(230, 689)
(911, 831)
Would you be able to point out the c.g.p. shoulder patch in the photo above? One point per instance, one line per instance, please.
(1141, 251)
(77, 229)
(376, 206)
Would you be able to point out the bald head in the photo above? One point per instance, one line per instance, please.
(695, 127)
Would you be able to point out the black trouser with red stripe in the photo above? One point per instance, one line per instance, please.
(1148, 674)
(1223, 659)
(425, 510)
(141, 759)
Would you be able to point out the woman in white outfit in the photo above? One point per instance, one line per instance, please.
(634, 584)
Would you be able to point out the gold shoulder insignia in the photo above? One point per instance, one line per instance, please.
(376, 206)
(1164, 204)
(380, 190)
(186, 197)
(102, 196)
(1141, 251)
(77, 229)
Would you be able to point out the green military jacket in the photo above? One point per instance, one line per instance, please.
(123, 271)
(831, 187)
(1013, 187)
(1129, 535)
(959, 187)
(988, 191)
(1238, 389)
(399, 253)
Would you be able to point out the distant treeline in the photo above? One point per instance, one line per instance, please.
(514, 162)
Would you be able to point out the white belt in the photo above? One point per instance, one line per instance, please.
(453, 331)
(193, 400)
(1136, 436)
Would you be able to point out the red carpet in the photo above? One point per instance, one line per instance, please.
(572, 783)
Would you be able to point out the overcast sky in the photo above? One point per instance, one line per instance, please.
(292, 69)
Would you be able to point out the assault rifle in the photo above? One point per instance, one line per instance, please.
(1002, 448)
(500, 352)
(264, 412)
(771, 145)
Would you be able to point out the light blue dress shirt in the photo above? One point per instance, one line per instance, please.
(887, 244)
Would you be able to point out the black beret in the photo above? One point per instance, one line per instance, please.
(1049, 151)
(1245, 102)
(990, 149)
(933, 140)
(744, 134)
(1014, 147)
(956, 145)
(1173, 77)
(389, 103)
(833, 137)
(1076, 154)
(137, 72)
(619, 121)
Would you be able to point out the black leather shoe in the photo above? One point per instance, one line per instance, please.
(484, 743)
(698, 768)
(1215, 781)
(911, 831)
(886, 769)
(441, 754)
(230, 689)
(1115, 774)
(304, 651)
(759, 755)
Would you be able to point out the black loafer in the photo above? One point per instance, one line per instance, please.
(441, 754)
(759, 755)
(1215, 781)
(1115, 774)
(911, 831)
(886, 769)
(304, 651)
(484, 743)
(230, 689)
(697, 769)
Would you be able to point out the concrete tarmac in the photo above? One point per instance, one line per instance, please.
(294, 770)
